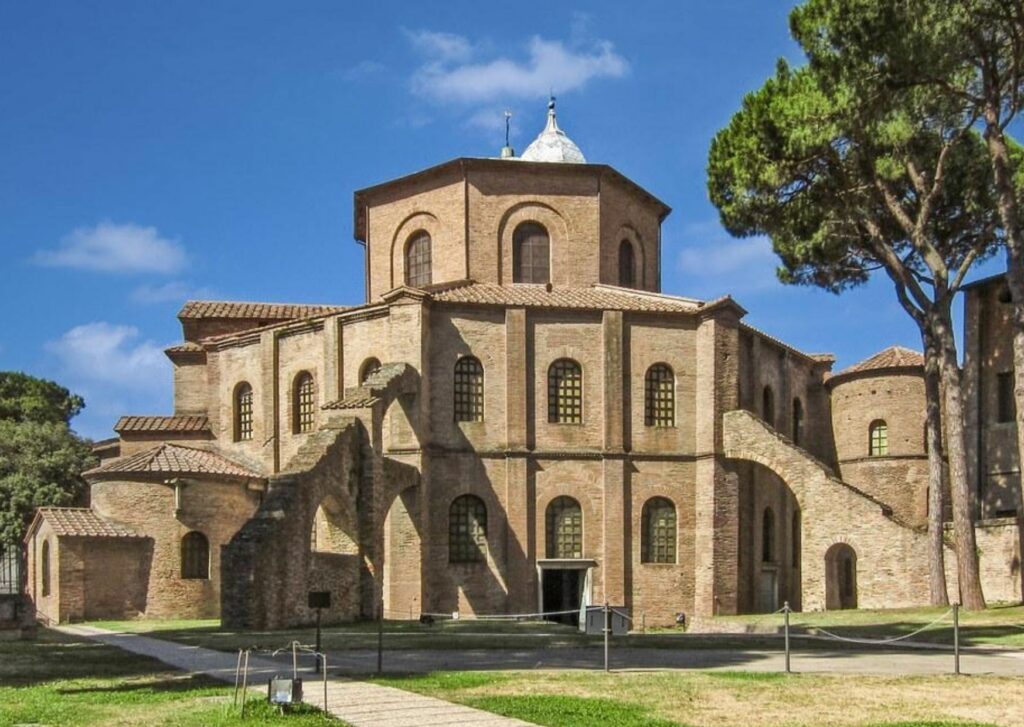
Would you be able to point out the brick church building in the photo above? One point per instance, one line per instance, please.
(516, 419)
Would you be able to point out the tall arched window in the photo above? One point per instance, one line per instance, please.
(658, 534)
(417, 260)
(660, 396)
(467, 530)
(195, 556)
(768, 406)
(565, 392)
(243, 412)
(303, 403)
(878, 438)
(44, 568)
(627, 264)
(768, 536)
(369, 368)
(564, 528)
(798, 420)
(469, 390)
(531, 254)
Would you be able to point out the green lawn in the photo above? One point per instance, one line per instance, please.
(60, 680)
(728, 699)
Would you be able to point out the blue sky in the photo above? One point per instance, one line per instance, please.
(153, 152)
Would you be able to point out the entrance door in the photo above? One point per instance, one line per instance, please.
(563, 591)
(769, 596)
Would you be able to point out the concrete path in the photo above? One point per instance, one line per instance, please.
(358, 703)
(864, 660)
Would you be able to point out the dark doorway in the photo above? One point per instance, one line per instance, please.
(840, 577)
(563, 590)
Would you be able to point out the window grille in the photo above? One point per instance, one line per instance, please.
(531, 254)
(10, 569)
(305, 403)
(878, 439)
(417, 261)
(195, 556)
(565, 392)
(467, 530)
(627, 265)
(564, 528)
(243, 412)
(658, 543)
(660, 396)
(469, 390)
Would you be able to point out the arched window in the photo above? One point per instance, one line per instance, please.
(469, 390)
(369, 368)
(627, 264)
(660, 396)
(658, 536)
(243, 412)
(44, 568)
(878, 438)
(768, 536)
(531, 254)
(565, 392)
(768, 406)
(564, 528)
(417, 260)
(467, 530)
(195, 556)
(303, 403)
(798, 420)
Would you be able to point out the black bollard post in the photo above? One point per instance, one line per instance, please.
(607, 632)
(956, 638)
(316, 658)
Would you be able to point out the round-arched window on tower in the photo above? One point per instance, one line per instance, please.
(531, 254)
(627, 265)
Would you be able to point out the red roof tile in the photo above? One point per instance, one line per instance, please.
(176, 424)
(261, 311)
(893, 357)
(597, 297)
(172, 459)
(81, 522)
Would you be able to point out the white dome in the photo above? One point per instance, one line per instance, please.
(553, 145)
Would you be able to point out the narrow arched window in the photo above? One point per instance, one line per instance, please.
(565, 392)
(467, 530)
(469, 390)
(243, 412)
(658, 534)
(660, 396)
(195, 556)
(531, 254)
(303, 403)
(564, 528)
(627, 264)
(417, 260)
(44, 568)
(768, 406)
(369, 368)
(768, 536)
(798, 420)
(878, 438)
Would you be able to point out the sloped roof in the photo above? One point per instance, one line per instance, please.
(185, 347)
(359, 399)
(175, 424)
(81, 522)
(894, 357)
(243, 309)
(599, 297)
(172, 459)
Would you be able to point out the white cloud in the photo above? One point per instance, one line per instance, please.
(362, 69)
(174, 291)
(712, 263)
(116, 248)
(453, 71)
(110, 354)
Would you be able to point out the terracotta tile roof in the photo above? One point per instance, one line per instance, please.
(186, 347)
(176, 424)
(599, 297)
(890, 358)
(81, 522)
(356, 400)
(263, 311)
(172, 459)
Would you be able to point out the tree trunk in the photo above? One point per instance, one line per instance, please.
(939, 594)
(968, 576)
(1009, 212)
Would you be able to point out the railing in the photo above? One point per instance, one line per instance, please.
(10, 569)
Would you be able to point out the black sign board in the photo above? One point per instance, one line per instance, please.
(319, 599)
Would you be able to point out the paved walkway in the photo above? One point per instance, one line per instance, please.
(358, 703)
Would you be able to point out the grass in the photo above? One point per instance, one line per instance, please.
(729, 699)
(59, 680)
